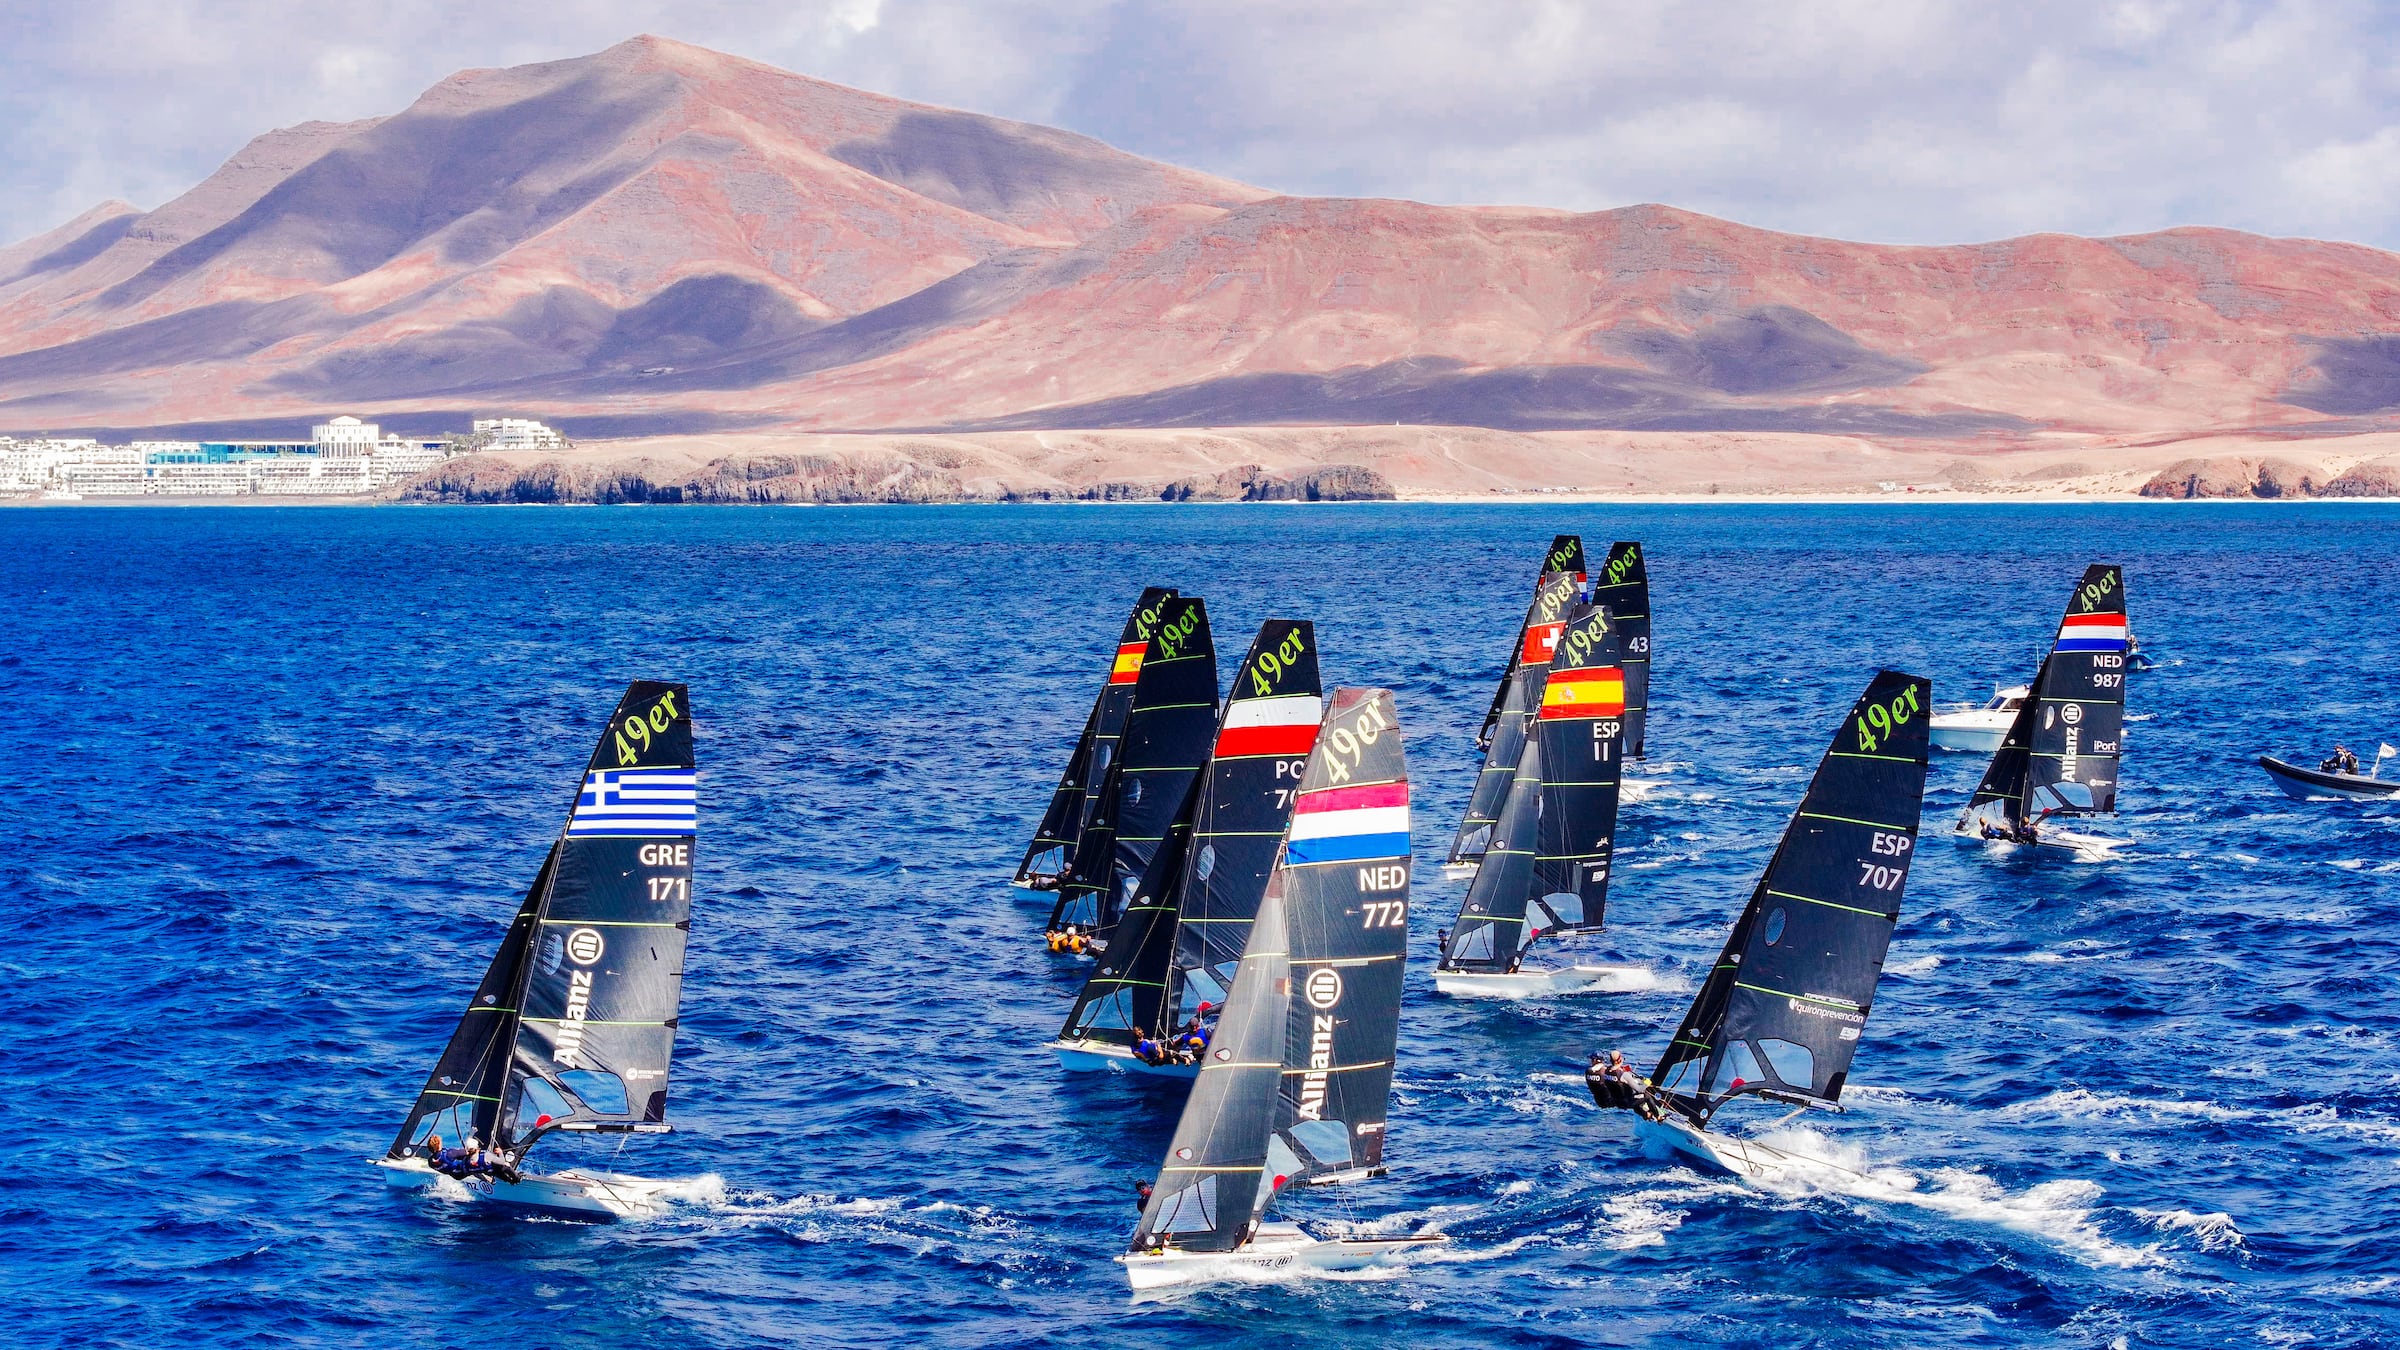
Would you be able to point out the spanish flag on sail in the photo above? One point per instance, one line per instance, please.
(1129, 663)
(1594, 691)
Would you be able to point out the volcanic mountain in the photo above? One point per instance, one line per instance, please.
(665, 238)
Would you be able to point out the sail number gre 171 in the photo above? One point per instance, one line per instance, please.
(634, 733)
(1882, 719)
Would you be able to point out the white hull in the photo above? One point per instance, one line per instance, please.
(1576, 979)
(599, 1196)
(1275, 1251)
(1100, 1056)
(2056, 844)
(1461, 871)
(1978, 739)
(1674, 1140)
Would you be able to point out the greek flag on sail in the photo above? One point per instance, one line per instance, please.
(643, 802)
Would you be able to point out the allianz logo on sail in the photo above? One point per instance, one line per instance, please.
(1320, 1062)
(584, 946)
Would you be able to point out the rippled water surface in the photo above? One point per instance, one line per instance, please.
(281, 774)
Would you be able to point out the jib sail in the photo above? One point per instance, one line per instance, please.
(2060, 755)
(1297, 1080)
(1565, 558)
(573, 1026)
(1782, 1010)
(1052, 852)
(1165, 738)
(1535, 638)
(1179, 940)
(1623, 584)
(1546, 872)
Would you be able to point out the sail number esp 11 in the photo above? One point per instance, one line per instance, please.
(1880, 720)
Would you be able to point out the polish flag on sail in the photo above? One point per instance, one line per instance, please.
(2092, 633)
(1129, 663)
(1348, 824)
(1285, 726)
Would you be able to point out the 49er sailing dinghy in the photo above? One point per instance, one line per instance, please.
(1546, 871)
(1165, 738)
(1052, 853)
(1506, 729)
(574, 1023)
(1565, 558)
(1176, 947)
(1780, 1014)
(2060, 755)
(1296, 1083)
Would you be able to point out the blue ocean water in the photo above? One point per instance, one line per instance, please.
(284, 773)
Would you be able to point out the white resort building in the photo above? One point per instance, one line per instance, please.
(516, 433)
(344, 457)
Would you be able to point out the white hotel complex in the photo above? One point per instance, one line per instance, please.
(344, 457)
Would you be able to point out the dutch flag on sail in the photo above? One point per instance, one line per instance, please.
(1348, 824)
(2092, 633)
(640, 802)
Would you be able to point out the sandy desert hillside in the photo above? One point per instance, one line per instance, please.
(663, 241)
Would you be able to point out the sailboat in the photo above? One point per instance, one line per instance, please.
(1546, 871)
(2060, 756)
(1297, 1080)
(1506, 741)
(1623, 585)
(1780, 1014)
(574, 1023)
(1177, 945)
(1168, 721)
(1052, 853)
(1564, 558)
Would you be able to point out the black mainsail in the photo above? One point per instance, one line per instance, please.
(1181, 937)
(574, 1022)
(1624, 586)
(1546, 872)
(1165, 739)
(1052, 853)
(2060, 755)
(1297, 1080)
(1781, 1012)
(1565, 558)
(1535, 637)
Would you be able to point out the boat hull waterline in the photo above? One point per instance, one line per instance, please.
(2063, 845)
(1103, 1057)
(2304, 784)
(1575, 979)
(599, 1197)
(1674, 1140)
(1276, 1251)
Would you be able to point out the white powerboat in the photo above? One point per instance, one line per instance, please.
(601, 1197)
(1979, 728)
(2304, 784)
(1275, 1250)
(1579, 978)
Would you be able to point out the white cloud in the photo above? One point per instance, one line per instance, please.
(1904, 120)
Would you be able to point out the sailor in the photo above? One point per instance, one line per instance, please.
(453, 1162)
(1149, 1051)
(2340, 761)
(1141, 1194)
(1995, 829)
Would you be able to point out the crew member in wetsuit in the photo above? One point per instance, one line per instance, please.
(1141, 1195)
(2340, 761)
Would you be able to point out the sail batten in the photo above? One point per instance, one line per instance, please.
(574, 1024)
(1784, 1005)
(1052, 853)
(1296, 1084)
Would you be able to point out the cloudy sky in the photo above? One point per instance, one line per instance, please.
(1895, 120)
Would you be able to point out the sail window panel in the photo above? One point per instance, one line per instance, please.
(601, 1092)
(1111, 1013)
(454, 1124)
(1325, 1144)
(1476, 943)
(1190, 1210)
(538, 1103)
(1565, 908)
(1772, 932)
(1794, 1065)
(1737, 1068)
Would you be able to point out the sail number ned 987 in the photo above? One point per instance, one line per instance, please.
(1879, 720)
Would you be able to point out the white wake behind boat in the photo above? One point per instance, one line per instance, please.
(2063, 845)
(1979, 728)
(1580, 978)
(1087, 1056)
(1274, 1251)
(1671, 1139)
(601, 1197)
